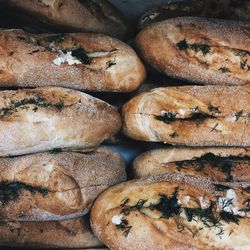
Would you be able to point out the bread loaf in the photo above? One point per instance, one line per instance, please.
(56, 186)
(79, 61)
(173, 212)
(217, 164)
(223, 9)
(75, 15)
(206, 51)
(73, 233)
(41, 119)
(190, 115)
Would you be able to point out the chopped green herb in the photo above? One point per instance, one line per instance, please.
(183, 45)
(110, 63)
(214, 128)
(224, 69)
(212, 108)
(81, 55)
(238, 115)
(220, 187)
(242, 53)
(173, 135)
(124, 226)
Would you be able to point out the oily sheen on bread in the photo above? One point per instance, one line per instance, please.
(56, 186)
(41, 119)
(98, 16)
(223, 9)
(81, 61)
(173, 212)
(217, 164)
(201, 50)
(73, 233)
(190, 115)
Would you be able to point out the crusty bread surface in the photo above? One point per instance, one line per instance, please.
(190, 115)
(200, 50)
(217, 164)
(56, 186)
(173, 212)
(80, 61)
(42, 119)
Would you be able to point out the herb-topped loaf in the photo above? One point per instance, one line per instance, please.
(173, 212)
(190, 115)
(206, 51)
(80, 61)
(47, 118)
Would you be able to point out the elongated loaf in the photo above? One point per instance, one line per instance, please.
(217, 164)
(41, 119)
(190, 115)
(56, 186)
(173, 212)
(79, 61)
(206, 51)
(73, 233)
(223, 9)
(75, 15)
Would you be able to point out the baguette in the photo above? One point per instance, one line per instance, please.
(79, 61)
(216, 164)
(190, 115)
(56, 186)
(97, 16)
(206, 51)
(74, 233)
(42, 119)
(173, 212)
(226, 9)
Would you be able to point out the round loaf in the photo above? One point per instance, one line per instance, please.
(41, 119)
(216, 164)
(73, 233)
(56, 186)
(80, 61)
(190, 115)
(173, 212)
(206, 51)
(98, 16)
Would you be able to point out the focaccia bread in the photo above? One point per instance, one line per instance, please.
(41, 119)
(81, 61)
(73, 233)
(216, 164)
(223, 9)
(201, 50)
(56, 186)
(190, 115)
(75, 15)
(173, 212)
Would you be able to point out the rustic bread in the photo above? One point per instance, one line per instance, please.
(207, 51)
(226, 9)
(41, 119)
(79, 61)
(73, 233)
(217, 164)
(190, 115)
(173, 212)
(56, 186)
(98, 16)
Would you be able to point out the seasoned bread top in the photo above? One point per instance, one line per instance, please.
(41, 119)
(203, 50)
(52, 186)
(190, 115)
(75, 15)
(217, 164)
(81, 61)
(173, 212)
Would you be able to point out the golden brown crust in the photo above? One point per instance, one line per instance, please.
(223, 9)
(74, 233)
(79, 61)
(172, 212)
(41, 119)
(217, 164)
(97, 16)
(207, 51)
(56, 186)
(190, 115)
